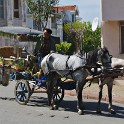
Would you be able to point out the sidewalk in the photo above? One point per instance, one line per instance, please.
(92, 92)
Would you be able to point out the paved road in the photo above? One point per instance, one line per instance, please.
(37, 111)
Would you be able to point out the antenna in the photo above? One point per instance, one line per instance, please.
(95, 23)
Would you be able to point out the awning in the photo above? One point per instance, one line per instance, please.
(19, 30)
(22, 33)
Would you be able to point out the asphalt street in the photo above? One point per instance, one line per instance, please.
(37, 110)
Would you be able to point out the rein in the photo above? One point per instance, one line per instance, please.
(88, 85)
(81, 57)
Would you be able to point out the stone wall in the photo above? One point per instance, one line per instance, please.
(8, 51)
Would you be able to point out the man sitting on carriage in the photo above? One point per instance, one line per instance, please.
(43, 48)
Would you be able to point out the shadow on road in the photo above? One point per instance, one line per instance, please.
(38, 101)
(7, 98)
(90, 108)
(66, 105)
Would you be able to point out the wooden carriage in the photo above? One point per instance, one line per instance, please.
(17, 38)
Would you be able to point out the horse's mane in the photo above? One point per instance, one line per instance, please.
(105, 50)
(79, 54)
(92, 56)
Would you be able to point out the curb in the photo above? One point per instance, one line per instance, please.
(95, 96)
(118, 82)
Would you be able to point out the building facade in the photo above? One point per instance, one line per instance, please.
(112, 13)
(16, 13)
(59, 16)
(12, 13)
(3, 13)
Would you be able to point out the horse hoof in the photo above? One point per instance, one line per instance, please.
(112, 111)
(55, 107)
(51, 108)
(80, 112)
(98, 111)
(83, 107)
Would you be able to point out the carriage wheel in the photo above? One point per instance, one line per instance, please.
(58, 93)
(22, 92)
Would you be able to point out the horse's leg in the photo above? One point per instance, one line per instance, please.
(110, 86)
(51, 85)
(79, 88)
(49, 89)
(99, 101)
(55, 81)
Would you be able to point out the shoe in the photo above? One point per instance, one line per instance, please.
(37, 87)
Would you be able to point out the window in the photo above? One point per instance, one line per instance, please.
(53, 22)
(122, 37)
(1, 9)
(73, 18)
(28, 11)
(16, 8)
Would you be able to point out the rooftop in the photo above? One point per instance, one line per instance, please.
(66, 8)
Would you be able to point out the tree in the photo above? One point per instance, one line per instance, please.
(81, 36)
(91, 40)
(73, 33)
(41, 10)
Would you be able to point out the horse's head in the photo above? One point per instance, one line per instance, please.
(99, 56)
(104, 57)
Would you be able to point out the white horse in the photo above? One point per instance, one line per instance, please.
(77, 67)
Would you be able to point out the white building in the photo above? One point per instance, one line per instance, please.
(3, 12)
(15, 13)
(12, 12)
(60, 15)
(113, 26)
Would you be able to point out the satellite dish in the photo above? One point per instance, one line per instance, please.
(95, 23)
(24, 48)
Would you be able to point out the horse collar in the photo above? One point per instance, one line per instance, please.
(67, 62)
(81, 57)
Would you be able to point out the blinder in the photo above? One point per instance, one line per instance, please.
(104, 57)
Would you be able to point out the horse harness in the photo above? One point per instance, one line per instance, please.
(67, 62)
(86, 66)
(71, 71)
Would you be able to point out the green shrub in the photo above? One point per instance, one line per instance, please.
(63, 47)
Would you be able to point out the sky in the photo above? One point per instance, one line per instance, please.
(88, 9)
